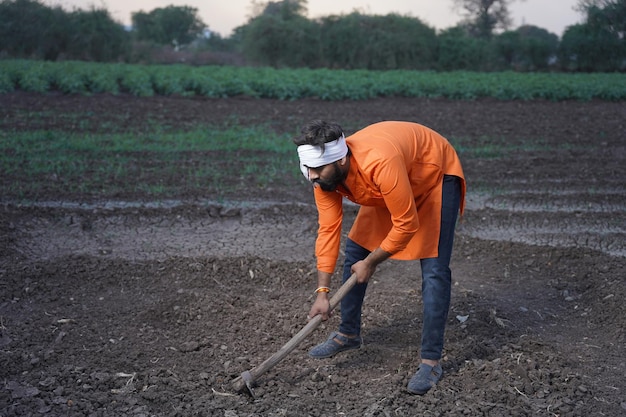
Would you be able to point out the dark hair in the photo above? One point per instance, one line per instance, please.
(318, 133)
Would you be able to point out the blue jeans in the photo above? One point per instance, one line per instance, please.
(436, 279)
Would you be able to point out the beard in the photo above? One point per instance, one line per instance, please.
(331, 183)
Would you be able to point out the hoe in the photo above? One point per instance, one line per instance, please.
(247, 380)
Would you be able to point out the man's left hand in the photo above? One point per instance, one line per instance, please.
(365, 269)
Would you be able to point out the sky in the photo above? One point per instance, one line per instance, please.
(222, 16)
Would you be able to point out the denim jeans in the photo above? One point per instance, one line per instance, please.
(436, 279)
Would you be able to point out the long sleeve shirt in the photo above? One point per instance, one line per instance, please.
(396, 176)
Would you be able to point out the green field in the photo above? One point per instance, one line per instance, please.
(74, 77)
(80, 153)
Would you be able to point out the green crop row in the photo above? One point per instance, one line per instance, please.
(154, 163)
(72, 77)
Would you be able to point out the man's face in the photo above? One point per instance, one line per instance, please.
(328, 177)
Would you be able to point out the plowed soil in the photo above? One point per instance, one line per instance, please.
(152, 308)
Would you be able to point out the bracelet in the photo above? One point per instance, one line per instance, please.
(322, 289)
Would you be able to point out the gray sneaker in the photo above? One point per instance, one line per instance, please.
(334, 344)
(424, 379)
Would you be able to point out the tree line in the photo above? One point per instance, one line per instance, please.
(279, 34)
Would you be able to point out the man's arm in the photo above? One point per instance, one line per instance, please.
(330, 216)
(392, 180)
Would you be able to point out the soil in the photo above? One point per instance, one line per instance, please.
(153, 308)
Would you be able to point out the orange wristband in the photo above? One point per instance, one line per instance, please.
(322, 289)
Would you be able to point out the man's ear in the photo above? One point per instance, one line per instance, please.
(343, 160)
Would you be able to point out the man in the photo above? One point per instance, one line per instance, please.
(409, 183)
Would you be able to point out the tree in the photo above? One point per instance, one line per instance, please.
(178, 25)
(605, 15)
(96, 36)
(536, 47)
(460, 51)
(585, 48)
(609, 15)
(286, 9)
(508, 46)
(599, 44)
(377, 42)
(29, 29)
(483, 17)
(280, 35)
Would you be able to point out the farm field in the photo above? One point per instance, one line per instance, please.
(123, 303)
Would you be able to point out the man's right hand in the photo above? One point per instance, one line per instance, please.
(320, 306)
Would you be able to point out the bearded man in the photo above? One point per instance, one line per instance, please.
(410, 186)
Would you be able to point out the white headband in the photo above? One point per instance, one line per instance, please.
(312, 156)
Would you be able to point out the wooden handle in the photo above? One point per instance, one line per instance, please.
(239, 384)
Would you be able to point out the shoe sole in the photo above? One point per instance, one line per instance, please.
(415, 392)
(334, 353)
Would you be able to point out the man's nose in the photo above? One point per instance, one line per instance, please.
(313, 174)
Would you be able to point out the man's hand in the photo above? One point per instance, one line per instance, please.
(365, 269)
(320, 306)
(322, 303)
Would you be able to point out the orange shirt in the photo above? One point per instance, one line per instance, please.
(396, 175)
